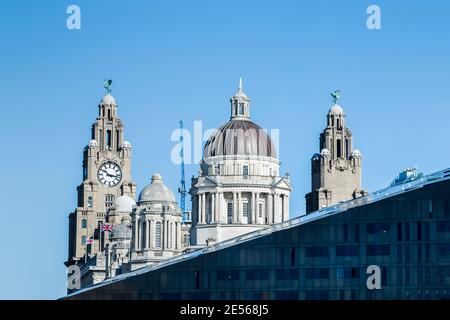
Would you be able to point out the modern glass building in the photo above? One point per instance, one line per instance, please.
(404, 230)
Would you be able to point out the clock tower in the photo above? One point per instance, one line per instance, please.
(106, 176)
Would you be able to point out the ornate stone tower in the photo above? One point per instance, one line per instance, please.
(239, 188)
(336, 171)
(156, 225)
(106, 176)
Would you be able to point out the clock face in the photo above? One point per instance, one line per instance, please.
(109, 174)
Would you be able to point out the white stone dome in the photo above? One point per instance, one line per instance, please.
(108, 99)
(325, 152)
(93, 143)
(122, 231)
(126, 144)
(336, 109)
(124, 204)
(356, 153)
(157, 191)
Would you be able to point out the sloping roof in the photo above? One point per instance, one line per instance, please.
(294, 222)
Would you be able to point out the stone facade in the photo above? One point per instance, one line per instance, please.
(336, 171)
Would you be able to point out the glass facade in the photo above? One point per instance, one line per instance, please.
(407, 235)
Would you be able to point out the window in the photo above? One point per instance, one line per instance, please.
(245, 209)
(241, 108)
(108, 138)
(316, 273)
(158, 235)
(197, 280)
(262, 274)
(230, 212)
(316, 251)
(293, 256)
(338, 147)
(378, 250)
(378, 228)
(260, 211)
(187, 239)
(109, 201)
(347, 273)
(286, 274)
(84, 223)
(347, 150)
(90, 202)
(83, 240)
(443, 225)
(245, 171)
(225, 275)
(347, 251)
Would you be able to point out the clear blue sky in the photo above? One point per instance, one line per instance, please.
(173, 60)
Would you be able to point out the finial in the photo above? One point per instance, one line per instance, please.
(240, 84)
(107, 85)
(336, 95)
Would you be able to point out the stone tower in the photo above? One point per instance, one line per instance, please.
(106, 176)
(336, 171)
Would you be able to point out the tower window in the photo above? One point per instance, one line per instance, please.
(84, 223)
(90, 202)
(230, 212)
(83, 240)
(118, 139)
(338, 147)
(241, 108)
(108, 138)
(245, 171)
(347, 150)
(109, 114)
(338, 123)
(158, 235)
(109, 201)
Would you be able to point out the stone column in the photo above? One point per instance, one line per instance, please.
(269, 209)
(152, 232)
(147, 234)
(203, 208)
(286, 206)
(234, 219)
(239, 207)
(252, 210)
(213, 207)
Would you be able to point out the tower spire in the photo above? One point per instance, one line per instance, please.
(240, 103)
(241, 87)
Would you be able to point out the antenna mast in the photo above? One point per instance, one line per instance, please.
(182, 188)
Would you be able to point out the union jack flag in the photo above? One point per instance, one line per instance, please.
(106, 227)
(90, 241)
(130, 226)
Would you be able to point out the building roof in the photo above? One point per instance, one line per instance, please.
(156, 191)
(294, 222)
(240, 137)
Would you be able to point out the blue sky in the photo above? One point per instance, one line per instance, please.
(172, 60)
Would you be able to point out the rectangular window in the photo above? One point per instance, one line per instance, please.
(109, 201)
(245, 171)
(316, 251)
(379, 250)
(407, 231)
(230, 212)
(293, 256)
(286, 274)
(260, 211)
(345, 233)
(443, 225)
(356, 232)
(378, 228)
(84, 223)
(399, 231)
(347, 251)
(227, 275)
(262, 274)
(338, 148)
(316, 273)
(108, 138)
(419, 231)
(90, 202)
(245, 209)
(83, 240)
(158, 235)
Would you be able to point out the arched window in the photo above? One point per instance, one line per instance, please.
(158, 235)
(241, 108)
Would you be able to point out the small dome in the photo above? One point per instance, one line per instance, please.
(356, 153)
(240, 137)
(325, 152)
(108, 99)
(336, 109)
(124, 204)
(126, 144)
(122, 231)
(93, 143)
(157, 191)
